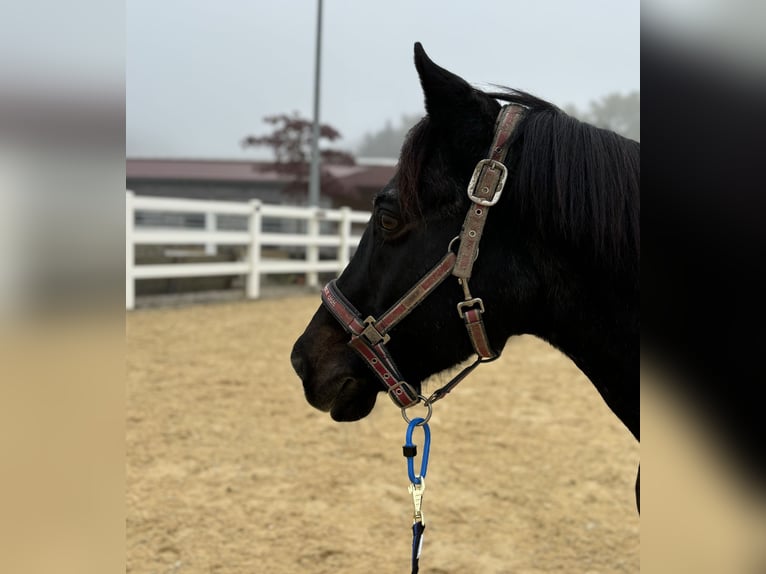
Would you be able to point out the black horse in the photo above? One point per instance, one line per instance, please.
(558, 258)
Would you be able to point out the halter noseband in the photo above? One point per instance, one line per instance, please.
(369, 336)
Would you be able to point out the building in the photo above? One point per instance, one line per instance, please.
(244, 180)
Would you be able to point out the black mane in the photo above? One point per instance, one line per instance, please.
(577, 182)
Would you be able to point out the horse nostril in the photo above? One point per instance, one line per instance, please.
(299, 364)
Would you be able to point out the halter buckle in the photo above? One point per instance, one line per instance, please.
(497, 192)
(463, 306)
(372, 334)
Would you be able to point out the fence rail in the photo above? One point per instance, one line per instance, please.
(253, 266)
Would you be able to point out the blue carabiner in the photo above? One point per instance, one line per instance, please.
(426, 449)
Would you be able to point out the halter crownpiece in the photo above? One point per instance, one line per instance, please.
(369, 336)
(484, 190)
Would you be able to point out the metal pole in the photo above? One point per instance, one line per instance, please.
(313, 198)
(130, 254)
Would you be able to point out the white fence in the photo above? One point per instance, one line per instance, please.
(254, 238)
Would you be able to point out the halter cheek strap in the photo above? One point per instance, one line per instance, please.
(369, 336)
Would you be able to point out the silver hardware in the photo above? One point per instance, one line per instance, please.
(425, 404)
(466, 290)
(463, 305)
(489, 164)
(416, 490)
(372, 334)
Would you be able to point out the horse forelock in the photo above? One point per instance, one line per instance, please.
(411, 161)
(427, 172)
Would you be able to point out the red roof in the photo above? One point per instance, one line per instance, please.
(366, 175)
(201, 170)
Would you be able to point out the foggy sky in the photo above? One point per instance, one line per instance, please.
(200, 75)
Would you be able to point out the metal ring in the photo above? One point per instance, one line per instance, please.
(457, 238)
(428, 414)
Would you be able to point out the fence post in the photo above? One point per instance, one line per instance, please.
(130, 283)
(210, 226)
(254, 251)
(312, 249)
(344, 230)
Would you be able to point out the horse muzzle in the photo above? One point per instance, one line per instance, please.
(326, 368)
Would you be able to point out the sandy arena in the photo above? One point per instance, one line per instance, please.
(229, 470)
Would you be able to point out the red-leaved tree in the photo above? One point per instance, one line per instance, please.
(291, 142)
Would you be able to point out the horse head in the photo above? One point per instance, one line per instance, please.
(415, 218)
(541, 261)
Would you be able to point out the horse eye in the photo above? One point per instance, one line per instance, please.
(388, 222)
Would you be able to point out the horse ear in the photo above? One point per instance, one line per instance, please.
(444, 92)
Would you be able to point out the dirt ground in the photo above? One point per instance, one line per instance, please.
(229, 470)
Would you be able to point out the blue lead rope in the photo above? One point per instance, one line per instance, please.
(418, 485)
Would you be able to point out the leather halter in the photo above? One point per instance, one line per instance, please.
(369, 336)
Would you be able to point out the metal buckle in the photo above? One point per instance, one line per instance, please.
(372, 334)
(463, 305)
(489, 164)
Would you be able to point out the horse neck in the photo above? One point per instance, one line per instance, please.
(594, 319)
